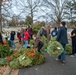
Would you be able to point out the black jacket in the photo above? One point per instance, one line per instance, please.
(12, 35)
(1, 41)
(74, 37)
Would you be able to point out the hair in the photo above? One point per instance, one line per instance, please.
(0, 35)
(26, 29)
(63, 23)
(34, 35)
(28, 26)
(74, 24)
(55, 28)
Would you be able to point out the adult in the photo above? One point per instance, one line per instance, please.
(1, 40)
(12, 38)
(30, 31)
(54, 32)
(48, 32)
(39, 43)
(62, 38)
(26, 38)
(22, 36)
(73, 36)
(43, 32)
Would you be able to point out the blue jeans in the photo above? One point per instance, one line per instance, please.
(13, 44)
(63, 55)
(25, 43)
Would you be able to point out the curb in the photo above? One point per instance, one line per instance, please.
(7, 71)
(10, 71)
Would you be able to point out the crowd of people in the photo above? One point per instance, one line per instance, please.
(62, 38)
(25, 35)
(22, 35)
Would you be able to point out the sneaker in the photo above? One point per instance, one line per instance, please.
(75, 54)
(72, 56)
(56, 59)
(63, 62)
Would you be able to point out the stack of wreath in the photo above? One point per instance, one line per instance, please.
(30, 57)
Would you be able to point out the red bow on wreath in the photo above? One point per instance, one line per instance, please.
(4, 43)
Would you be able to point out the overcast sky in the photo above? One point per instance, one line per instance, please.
(17, 6)
(16, 10)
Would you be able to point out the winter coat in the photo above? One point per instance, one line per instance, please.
(12, 36)
(62, 35)
(1, 40)
(26, 36)
(38, 42)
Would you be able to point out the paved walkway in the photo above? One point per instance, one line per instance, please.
(52, 67)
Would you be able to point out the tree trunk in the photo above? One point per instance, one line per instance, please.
(0, 18)
(48, 32)
(31, 12)
(32, 15)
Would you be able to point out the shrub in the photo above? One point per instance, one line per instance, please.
(5, 51)
(28, 58)
(68, 49)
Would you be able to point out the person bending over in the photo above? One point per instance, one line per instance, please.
(39, 43)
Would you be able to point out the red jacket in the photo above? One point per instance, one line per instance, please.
(26, 36)
(19, 37)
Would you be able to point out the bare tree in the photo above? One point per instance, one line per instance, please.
(71, 11)
(28, 7)
(56, 12)
(4, 4)
(0, 16)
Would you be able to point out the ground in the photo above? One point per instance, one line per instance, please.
(52, 67)
(2, 69)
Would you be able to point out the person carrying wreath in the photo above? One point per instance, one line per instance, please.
(39, 43)
(62, 38)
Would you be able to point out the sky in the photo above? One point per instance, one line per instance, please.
(16, 10)
(41, 11)
(17, 6)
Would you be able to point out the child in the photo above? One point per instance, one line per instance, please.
(54, 32)
(39, 43)
(12, 38)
